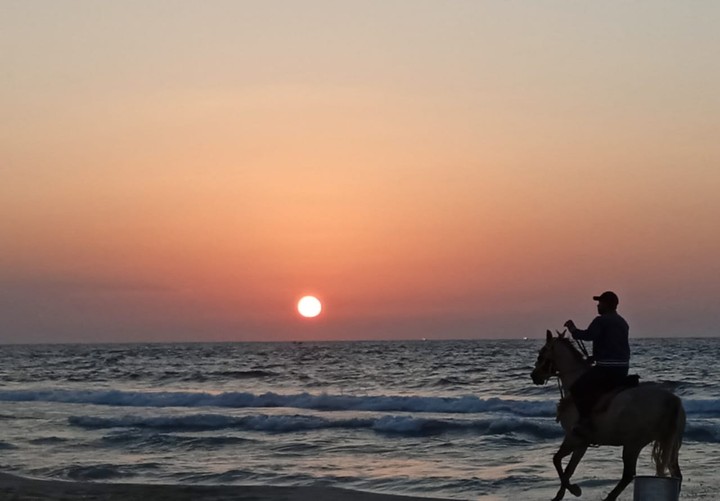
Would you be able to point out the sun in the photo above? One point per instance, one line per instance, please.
(309, 306)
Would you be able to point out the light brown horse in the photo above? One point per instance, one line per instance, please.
(632, 418)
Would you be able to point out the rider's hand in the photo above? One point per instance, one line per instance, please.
(570, 326)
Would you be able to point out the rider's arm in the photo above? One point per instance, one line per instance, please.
(591, 333)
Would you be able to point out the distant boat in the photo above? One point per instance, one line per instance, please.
(525, 338)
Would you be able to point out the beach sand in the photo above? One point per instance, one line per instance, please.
(15, 488)
(20, 488)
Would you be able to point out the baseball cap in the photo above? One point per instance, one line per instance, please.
(608, 297)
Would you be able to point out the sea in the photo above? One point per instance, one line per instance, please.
(444, 419)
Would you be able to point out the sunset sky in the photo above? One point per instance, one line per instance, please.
(186, 171)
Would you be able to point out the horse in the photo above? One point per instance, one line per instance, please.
(631, 418)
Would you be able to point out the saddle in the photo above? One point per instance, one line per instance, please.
(604, 399)
(602, 402)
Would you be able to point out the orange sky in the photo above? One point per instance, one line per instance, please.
(185, 171)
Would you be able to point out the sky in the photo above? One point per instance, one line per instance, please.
(186, 171)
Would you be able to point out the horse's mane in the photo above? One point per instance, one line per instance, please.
(573, 349)
(567, 400)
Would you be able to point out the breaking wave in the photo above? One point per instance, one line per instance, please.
(398, 425)
(324, 402)
(698, 430)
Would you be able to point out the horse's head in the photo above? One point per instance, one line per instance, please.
(545, 367)
(551, 356)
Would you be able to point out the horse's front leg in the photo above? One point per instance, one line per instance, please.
(577, 455)
(569, 445)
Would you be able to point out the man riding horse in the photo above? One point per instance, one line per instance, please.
(632, 418)
(611, 353)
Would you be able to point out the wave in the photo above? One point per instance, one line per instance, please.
(708, 406)
(247, 374)
(48, 440)
(217, 375)
(395, 425)
(702, 430)
(448, 381)
(105, 471)
(323, 402)
(171, 442)
(144, 428)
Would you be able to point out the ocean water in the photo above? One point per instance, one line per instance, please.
(451, 419)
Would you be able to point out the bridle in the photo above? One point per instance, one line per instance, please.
(548, 366)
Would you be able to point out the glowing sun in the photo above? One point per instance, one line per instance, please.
(309, 306)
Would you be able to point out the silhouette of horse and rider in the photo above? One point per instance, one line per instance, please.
(600, 404)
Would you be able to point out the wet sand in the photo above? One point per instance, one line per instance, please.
(15, 488)
(20, 488)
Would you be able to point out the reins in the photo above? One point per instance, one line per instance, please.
(582, 348)
(555, 373)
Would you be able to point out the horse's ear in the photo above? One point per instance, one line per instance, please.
(549, 336)
(561, 334)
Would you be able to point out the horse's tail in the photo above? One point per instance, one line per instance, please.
(667, 446)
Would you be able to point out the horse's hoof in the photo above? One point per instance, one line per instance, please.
(575, 490)
(559, 496)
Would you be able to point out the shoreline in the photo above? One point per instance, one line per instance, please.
(14, 487)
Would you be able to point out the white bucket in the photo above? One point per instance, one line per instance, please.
(656, 488)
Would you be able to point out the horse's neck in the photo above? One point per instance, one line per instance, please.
(570, 369)
(568, 378)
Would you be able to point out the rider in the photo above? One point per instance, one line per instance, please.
(611, 352)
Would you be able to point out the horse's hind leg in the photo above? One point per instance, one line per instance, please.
(630, 456)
